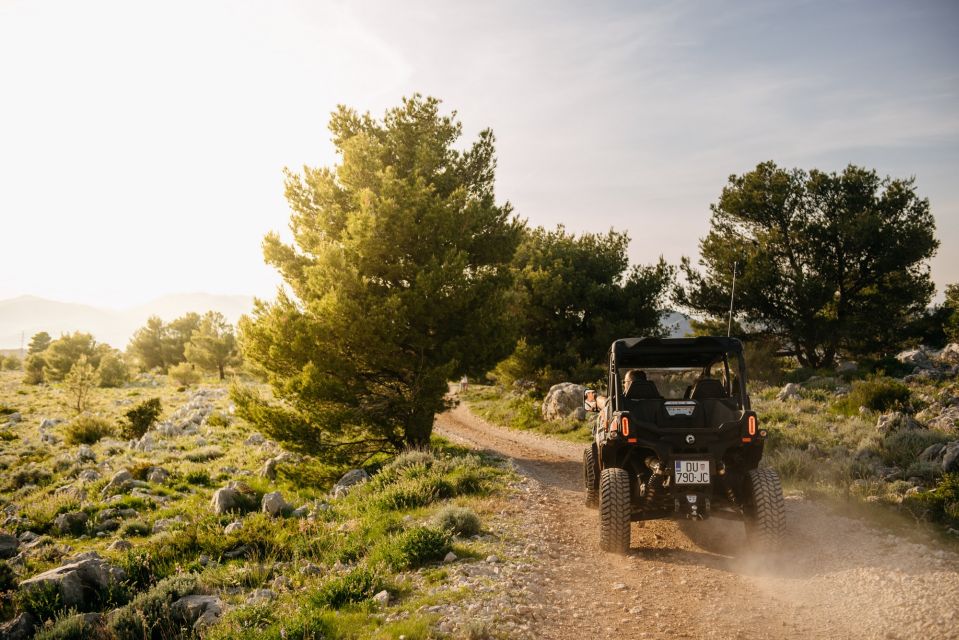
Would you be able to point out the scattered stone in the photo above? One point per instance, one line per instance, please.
(111, 524)
(932, 453)
(492, 559)
(50, 438)
(950, 354)
(847, 366)
(49, 423)
(233, 527)
(158, 475)
(282, 583)
(73, 522)
(896, 421)
(450, 557)
(119, 482)
(198, 611)
(382, 598)
(300, 512)
(268, 470)
(254, 440)
(349, 480)
(239, 552)
(562, 400)
(260, 596)
(236, 496)
(81, 583)
(14, 418)
(86, 454)
(789, 392)
(8, 545)
(310, 569)
(204, 560)
(915, 357)
(88, 475)
(120, 545)
(274, 504)
(950, 457)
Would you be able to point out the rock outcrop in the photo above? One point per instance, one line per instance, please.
(564, 400)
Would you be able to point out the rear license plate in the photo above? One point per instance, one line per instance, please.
(692, 472)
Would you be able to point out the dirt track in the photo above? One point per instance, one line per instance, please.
(836, 578)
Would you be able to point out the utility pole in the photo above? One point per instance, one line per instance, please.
(21, 344)
(732, 298)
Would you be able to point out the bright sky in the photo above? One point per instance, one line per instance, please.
(141, 144)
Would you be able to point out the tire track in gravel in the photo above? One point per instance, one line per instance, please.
(835, 578)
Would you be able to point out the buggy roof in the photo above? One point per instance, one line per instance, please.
(672, 352)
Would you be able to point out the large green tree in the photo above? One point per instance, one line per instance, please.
(397, 281)
(213, 345)
(828, 262)
(67, 350)
(574, 295)
(159, 345)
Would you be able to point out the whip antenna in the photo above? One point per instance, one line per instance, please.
(732, 298)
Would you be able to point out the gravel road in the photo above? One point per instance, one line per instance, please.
(836, 577)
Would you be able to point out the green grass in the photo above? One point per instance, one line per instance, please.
(386, 526)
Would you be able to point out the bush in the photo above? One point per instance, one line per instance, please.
(135, 528)
(793, 464)
(939, 505)
(198, 477)
(8, 579)
(928, 471)
(217, 419)
(204, 454)
(33, 367)
(762, 363)
(70, 627)
(901, 448)
(113, 371)
(12, 363)
(184, 374)
(149, 614)
(87, 429)
(43, 600)
(414, 548)
(459, 521)
(877, 394)
(140, 418)
(356, 586)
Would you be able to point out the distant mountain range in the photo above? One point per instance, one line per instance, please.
(28, 315)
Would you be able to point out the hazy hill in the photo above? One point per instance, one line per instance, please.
(29, 315)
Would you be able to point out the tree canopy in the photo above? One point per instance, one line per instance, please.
(213, 345)
(829, 262)
(396, 281)
(159, 345)
(574, 295)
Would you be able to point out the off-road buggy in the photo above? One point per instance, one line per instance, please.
(676, 438)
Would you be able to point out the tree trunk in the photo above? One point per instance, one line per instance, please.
(418, 429)
(220, 366)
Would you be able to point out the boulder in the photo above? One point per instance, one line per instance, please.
(73, 522)
(254, 440)
(49, 423)
(349, 480)
(846, 366)
(789, 392)
(120, 481)
(932, 453)
(158, 475)
(120, 545)
(562, 400)
(947, 420)
(260, 596)
(950, 355)
(915, 357)
(197, 611)
(236, 496)
(382, 598)
(85, 454)
(20, 628)
(950, 457)
(896, 421)
(81, 583)
(14, 417)
(8, 545)
(274, 504)
(269, 469)
(88, 475)
(233, 527)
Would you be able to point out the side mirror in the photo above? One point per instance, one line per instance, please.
(589, 401)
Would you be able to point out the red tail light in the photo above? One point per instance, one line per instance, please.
(751, 425)
(625, 426)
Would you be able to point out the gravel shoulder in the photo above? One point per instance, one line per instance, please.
(835, 578)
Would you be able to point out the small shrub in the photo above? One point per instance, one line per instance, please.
(6, 435)
(358, 585)
(877, 394)
(8, 579)
(140, 418)
(199, 477)
(87, 429)
(928, 471)
(459, 521)
(71, 626)
(218, 419)
(939, 505)
(204, 454)
(135, 529)
(12, 363)
(764, 365)
(184, 374)
(43, 600)
(149, 614)
(901, 448)
(414, 548)
(413, 493)
(412, 457)
(793, 464)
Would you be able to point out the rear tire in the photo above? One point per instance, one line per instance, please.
(614, 510)
(591, 477)
(764, 509)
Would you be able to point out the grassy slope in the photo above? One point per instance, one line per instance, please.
(381, 536)
(522, 412)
